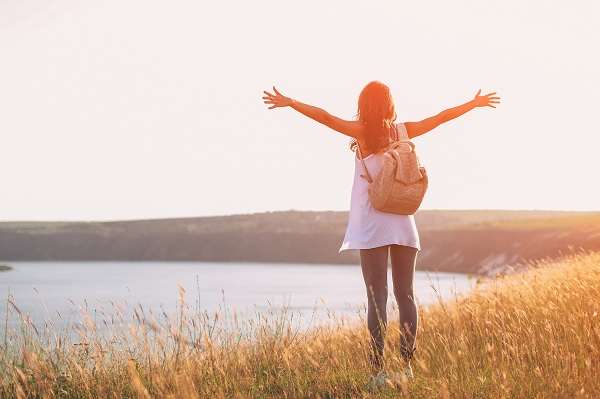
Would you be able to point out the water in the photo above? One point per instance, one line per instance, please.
(60, 291)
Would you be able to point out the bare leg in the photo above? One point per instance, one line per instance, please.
(374, 262)
(403, 270)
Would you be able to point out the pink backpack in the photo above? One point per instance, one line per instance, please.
(400, 185)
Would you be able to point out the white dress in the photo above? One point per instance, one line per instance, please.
(368, 227)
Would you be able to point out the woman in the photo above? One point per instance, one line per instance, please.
(377, 233)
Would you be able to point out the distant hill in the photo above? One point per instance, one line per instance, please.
(476, 241)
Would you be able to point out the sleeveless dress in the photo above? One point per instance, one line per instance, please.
(367, 227)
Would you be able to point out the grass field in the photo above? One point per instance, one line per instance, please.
(529, 335)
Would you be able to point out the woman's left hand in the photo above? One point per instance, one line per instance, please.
(487, 100)
(277, 99)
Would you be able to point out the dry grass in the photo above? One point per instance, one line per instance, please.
(531, 335)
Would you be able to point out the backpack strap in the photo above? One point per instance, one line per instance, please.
(368, 176)
(404, 133)
(406, 139)
(395, 130)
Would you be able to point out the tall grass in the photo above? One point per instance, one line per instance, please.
(529, 335)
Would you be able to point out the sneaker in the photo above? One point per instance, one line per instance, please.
(378, 380)
(408, 372)
(400, 377)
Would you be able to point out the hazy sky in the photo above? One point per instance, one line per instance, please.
(144, 109)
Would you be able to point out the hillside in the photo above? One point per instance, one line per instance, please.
(458, 241)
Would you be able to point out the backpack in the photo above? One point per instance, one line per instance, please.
(400, 185)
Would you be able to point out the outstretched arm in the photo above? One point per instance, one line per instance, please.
(415, 129)
(349, 128)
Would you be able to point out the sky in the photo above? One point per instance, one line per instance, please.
(149, 109)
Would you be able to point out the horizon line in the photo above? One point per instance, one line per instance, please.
(111, 220)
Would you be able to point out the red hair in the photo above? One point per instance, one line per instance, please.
(376, 110)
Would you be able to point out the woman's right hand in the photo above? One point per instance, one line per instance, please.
(486, 100)
(277, 99)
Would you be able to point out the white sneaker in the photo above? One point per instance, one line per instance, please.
(378, 380)
(400, 377)
(408, 372)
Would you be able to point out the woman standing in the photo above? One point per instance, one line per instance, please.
(379, 234)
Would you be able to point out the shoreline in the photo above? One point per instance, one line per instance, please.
(5, 268)
(490, 270)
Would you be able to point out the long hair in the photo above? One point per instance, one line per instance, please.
(376, 110)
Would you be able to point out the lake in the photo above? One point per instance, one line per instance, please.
(312, 293)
